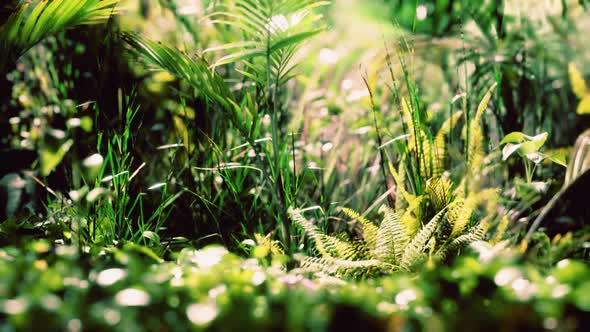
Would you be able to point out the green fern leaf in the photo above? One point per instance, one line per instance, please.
(408, 218)
(476, 234)
(475, 152)
(417, 245)
(369, 229)
(391, 237)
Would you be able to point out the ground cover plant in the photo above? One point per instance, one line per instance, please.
(175, 165)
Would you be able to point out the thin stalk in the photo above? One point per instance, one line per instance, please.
(380, 143)
(271, 100)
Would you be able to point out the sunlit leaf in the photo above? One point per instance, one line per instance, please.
(577, 81)
(584, 105)
(35, 20)
(50, 158)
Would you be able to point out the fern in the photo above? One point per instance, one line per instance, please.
(392, 237)
(35, 20)
(500, 230)
(392, 249)
(368, 228)
(271, 246)
(409, 219)
(340, 266)
(416, 247)
(475, 152)
(476, 234)
(439, 191)
(580, 89)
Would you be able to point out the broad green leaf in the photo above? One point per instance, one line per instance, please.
(513, 137)
(558, 158)
(528, 147)
(539, 140)
(509, 149)
(531, 143)
(50, 158)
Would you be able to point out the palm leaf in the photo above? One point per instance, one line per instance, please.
(193, 70)
(271, 29)
(35, 20)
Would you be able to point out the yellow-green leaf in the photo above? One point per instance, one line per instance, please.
(577, 81)
(50, 158)
(584, 105)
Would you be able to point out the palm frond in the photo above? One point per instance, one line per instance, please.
(272, 30)
(35, 20)
(194, 70)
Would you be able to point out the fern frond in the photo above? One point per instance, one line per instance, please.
(416, 246)
(400, 183)
(461, 210)
(273, 246)
(488, 196)
(475, 152)
(439, 191)
(409, 219)
(317, 264)
(368, 228)
(334, 247)
(310, 229)
(477, 233)
(459, 216)
(339, 266)
(327, 245)
(392, 237)
(439, 146)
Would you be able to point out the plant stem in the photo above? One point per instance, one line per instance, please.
(280, 210)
